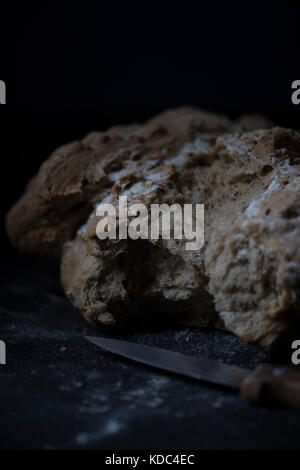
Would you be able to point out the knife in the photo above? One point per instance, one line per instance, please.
(265, 384)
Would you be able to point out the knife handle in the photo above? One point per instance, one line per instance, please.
(269, 385)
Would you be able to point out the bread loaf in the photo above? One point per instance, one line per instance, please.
(245, 279)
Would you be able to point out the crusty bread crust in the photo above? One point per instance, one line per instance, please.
(246, 277)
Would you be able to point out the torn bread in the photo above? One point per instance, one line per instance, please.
(244, 279)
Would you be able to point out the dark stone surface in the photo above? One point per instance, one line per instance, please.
(60, 392)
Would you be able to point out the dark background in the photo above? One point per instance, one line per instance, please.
(73, 69)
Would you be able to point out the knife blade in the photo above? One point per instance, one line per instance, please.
(190, 366)
(264, 384)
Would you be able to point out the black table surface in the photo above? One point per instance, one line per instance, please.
(58, 391)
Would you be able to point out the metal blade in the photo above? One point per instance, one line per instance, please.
(190, 366)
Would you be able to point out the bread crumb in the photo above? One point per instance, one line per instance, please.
(217, 404)
(106, 318)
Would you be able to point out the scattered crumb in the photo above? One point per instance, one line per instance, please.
(63, 349)
(217, 404)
